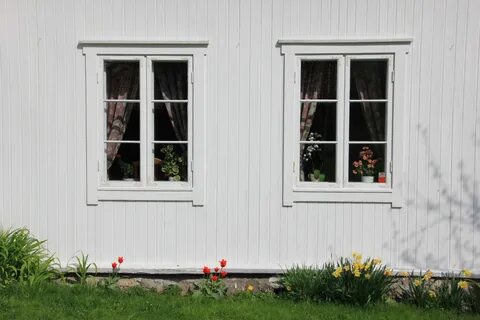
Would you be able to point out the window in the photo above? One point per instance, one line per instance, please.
(143, 106)
(346, 134)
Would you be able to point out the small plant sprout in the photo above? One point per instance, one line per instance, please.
(82, 268)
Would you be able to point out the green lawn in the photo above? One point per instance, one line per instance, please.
(54, 301)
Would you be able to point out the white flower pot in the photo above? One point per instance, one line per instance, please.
(367, 179)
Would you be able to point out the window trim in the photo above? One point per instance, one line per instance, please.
(95, 52)
(292, 50)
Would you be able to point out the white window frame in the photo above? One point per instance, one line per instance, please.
(98, 187)
(396, 50)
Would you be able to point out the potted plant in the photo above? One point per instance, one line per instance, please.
(172, 164)
(365, 166)
(311, 155)
(127, 169)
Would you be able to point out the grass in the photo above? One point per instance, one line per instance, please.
(53, 301)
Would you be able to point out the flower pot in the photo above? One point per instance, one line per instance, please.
(320, 178)
(171, 179)
(367, 179)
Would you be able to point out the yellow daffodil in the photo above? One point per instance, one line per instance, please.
(467, 273)
(404, 274)
(388, 272)
(368, 265)
(368, 276)
(377, 261)
(357, 273)
(288, 288)
(357, 256)
(337, 272)
(417, 282)
(346, 268)
(432, 294)
(428, 275)
(463, 284)
(250, 288)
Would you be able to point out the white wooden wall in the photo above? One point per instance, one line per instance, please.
(42, 135)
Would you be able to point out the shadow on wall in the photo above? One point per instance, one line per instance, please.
(450, 217)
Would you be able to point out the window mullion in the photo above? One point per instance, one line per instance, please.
(346, 117)
(143, 123)
(340, 122)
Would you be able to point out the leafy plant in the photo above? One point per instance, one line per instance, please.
(365, 166)
(452, 292)
(419, 290)
(473, 298)
(173, 164)
(305, 282)
(212, 285)
(112, 280)
(82, 268)
(24, 258)
(350, 281)
(126, 168)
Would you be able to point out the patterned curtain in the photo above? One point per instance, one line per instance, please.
(172, 79)
(124, 83)
(369, 84)
(318, 82)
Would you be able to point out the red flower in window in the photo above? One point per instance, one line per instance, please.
(223, 263)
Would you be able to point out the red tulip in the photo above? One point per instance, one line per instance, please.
(216, 269)
(224, 274)
(214, 278)
(120, 259)
(114, 265)
(206, 270)
(223, 263)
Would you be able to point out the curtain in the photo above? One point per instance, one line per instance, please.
(318, 82)
(369, 82)
(123, 84)
(172, 80)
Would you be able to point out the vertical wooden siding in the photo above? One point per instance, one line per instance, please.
(42, 135)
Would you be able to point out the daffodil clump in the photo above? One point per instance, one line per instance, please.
(451, 291)
(362, 280)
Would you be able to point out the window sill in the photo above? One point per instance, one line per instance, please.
(145, 194)
(350, 195)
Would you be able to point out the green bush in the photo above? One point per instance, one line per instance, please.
(350, 281)
(24, 258)
(419, 290)
(305, 283)
(452, 293)
(473, 298)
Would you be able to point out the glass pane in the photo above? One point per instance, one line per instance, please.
(122, 121)
(367, 121)
(368, 79)
(318, 121)
(123, 161)
(122, 79)
(319, 79)
(317, 162)
(170, 80)
(171, 121)
(171, 162)
(366, 160)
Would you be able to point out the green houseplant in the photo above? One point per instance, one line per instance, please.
(173, 164)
